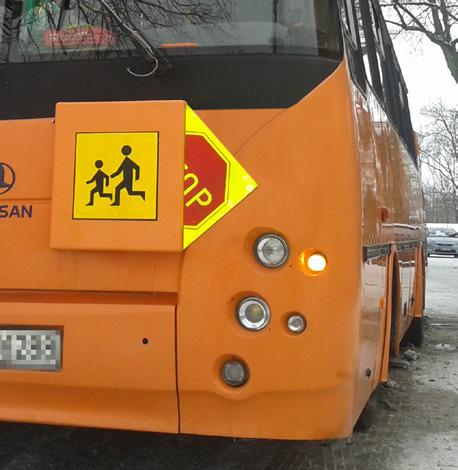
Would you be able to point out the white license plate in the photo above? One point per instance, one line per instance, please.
(29, 349)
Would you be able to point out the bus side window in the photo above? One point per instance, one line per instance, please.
(406, 130)
(353, 43)
(371, 48)
(378, 41)
(327, 24)
(394, 88)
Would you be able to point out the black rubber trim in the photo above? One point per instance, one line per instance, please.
(253, 81)
(376, 251)
(405, 246)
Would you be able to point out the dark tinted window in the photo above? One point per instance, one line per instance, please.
(353, 41)
(380, 65)
(54, 30)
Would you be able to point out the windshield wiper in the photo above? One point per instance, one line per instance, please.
(154, 55)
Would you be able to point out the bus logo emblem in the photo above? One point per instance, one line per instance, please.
(7, 178)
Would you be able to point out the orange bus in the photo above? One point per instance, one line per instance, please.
(211, 215)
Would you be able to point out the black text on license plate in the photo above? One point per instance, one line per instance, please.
(30, 349)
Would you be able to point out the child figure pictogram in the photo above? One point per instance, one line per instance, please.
(130, 172)
(101, 179)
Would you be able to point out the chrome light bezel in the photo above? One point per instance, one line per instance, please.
(244, 321)
(232, 383)
(291, 318)
(260, 242)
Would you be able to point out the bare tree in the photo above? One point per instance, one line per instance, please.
(437, 209)
(74, 28)
(439, 154)
(435, 19)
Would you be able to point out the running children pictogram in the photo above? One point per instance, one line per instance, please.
(101, 180)
(129, 171)
(116, 176)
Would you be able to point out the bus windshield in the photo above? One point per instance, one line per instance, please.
(56, 30)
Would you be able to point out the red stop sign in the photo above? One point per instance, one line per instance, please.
(205, 180)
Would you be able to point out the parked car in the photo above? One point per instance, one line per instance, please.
(441, 242)
(440, 232)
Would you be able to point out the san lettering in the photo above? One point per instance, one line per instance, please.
(15, 211)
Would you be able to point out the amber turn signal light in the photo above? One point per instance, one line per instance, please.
(312, 262)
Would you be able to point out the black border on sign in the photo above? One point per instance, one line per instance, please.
(157, 176)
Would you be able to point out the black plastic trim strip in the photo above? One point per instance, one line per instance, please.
(249, 81)
(376, 251)
(405, 246)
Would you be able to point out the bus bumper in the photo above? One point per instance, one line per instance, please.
(119, 370)
(118, 361)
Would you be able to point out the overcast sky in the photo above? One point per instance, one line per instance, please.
(426, 75)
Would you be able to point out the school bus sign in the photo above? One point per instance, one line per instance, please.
(214, 181)
(117, 177)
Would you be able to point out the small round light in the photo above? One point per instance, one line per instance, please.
(234, 373)
(317, 263)
(296, 323)
(271, 250)
(253, 313)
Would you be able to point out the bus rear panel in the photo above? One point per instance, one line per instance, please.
(205, 218)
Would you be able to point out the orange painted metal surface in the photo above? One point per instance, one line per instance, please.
(291, 377)
(165, 122)
(392, 213)
(109, 378)
(325, 168)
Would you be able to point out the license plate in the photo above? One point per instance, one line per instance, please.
(29, 349)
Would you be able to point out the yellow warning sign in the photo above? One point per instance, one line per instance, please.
(116, 176)
(215, 182)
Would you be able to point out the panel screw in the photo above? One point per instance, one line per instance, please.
(368, 372)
